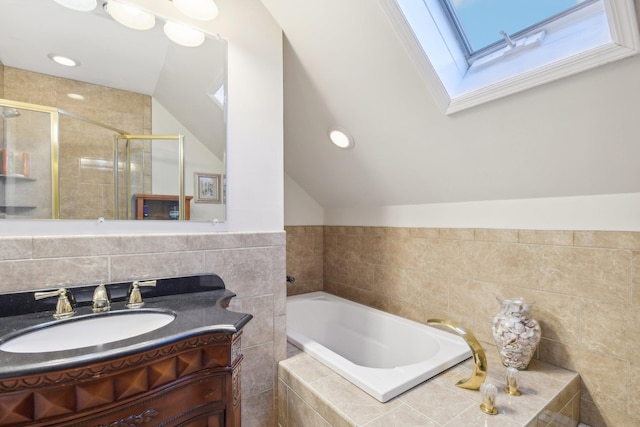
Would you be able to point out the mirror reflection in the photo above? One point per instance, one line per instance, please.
(128, 82)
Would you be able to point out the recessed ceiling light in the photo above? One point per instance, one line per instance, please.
(203, 10)
(183, 35)
(79, 5)
(341, 137)
(130, 16)
(63, 60)
(76, 96)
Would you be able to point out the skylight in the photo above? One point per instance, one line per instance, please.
(479, 23)
(466, 61)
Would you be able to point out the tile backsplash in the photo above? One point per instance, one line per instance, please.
(585, 284)
(251, 264)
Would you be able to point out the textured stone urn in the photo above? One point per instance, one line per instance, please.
(515, 332)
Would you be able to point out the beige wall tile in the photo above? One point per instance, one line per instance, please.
(489, 235)
(611, 328)
(258, 368)
(301, 414)
(608, 239)
(261, 328)
(634, 391)
(457, 233)
(16, 248)
(559, 316)
(258, 410)
(546, 237)
(506, 263)
(593, 273)
(451, 258)
(635, 278)
(150, 266)
(605, 379)
(24, 275)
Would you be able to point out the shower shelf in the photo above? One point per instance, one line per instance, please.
(8, 209)
(16, 177)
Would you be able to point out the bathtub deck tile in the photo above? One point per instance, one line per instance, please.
(350, 400)
(404, 416)
(436, 402)
(475, 417)
(306, 367)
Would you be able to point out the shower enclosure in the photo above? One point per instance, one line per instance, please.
(60, 165)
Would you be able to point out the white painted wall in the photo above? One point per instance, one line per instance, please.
(620, 212)
(197, 158)
(299, 207)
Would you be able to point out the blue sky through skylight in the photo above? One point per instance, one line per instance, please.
(482, 20)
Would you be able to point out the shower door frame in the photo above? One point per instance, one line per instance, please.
(54, 126)
(128, 138)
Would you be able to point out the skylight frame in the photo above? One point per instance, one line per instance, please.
(456, 86)
(474, 54)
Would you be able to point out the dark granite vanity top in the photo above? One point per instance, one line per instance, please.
(198, 302)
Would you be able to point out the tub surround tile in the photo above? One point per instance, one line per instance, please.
(403, 416)
(549, 395)
(439, 403)
(546, 237)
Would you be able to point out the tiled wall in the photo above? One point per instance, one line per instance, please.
(304, 259)
(251, 264)
(586, 286)
(86, 150)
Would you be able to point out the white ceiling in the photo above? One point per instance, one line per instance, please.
(345, 65)
(114, 56)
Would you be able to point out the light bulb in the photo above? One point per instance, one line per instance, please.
(203, 10)
(183, 35)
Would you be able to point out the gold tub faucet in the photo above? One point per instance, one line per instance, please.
(479, 357)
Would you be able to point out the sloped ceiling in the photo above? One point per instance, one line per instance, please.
(344, 65)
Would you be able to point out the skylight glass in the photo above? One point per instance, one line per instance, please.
(479, 22)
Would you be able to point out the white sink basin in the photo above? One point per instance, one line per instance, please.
(87, 331)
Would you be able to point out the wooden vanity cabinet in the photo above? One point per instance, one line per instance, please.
(194, 383)
(158, 206)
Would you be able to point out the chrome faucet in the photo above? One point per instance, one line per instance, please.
(134, 297)
(101, 299)
(65, 307)
(479, 357)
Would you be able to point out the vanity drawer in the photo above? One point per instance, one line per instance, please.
(193, 402)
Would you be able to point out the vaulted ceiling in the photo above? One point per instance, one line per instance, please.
(345, 65)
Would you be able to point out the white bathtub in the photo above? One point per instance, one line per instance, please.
(383, 354)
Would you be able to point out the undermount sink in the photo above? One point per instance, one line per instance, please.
(86, 331)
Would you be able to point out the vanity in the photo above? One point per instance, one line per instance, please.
(183, 373)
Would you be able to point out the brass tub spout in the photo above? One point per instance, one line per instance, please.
(479, 358)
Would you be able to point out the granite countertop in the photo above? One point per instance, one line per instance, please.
(197, 301)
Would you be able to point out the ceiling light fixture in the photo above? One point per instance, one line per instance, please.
(76, 96)
(203, 10)
(183, 35)
(79, 5)
(341, 137)
(63, 60)
(130, 16)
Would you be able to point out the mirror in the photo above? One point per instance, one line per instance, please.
(128, 81)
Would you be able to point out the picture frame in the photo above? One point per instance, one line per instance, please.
(207, 187)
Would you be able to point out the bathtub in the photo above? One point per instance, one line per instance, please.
(381, 353)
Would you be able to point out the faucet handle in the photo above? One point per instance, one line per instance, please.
(134, 297)
(65, 305)
(101, 299)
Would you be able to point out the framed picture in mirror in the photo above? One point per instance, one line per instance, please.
(207, 187)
